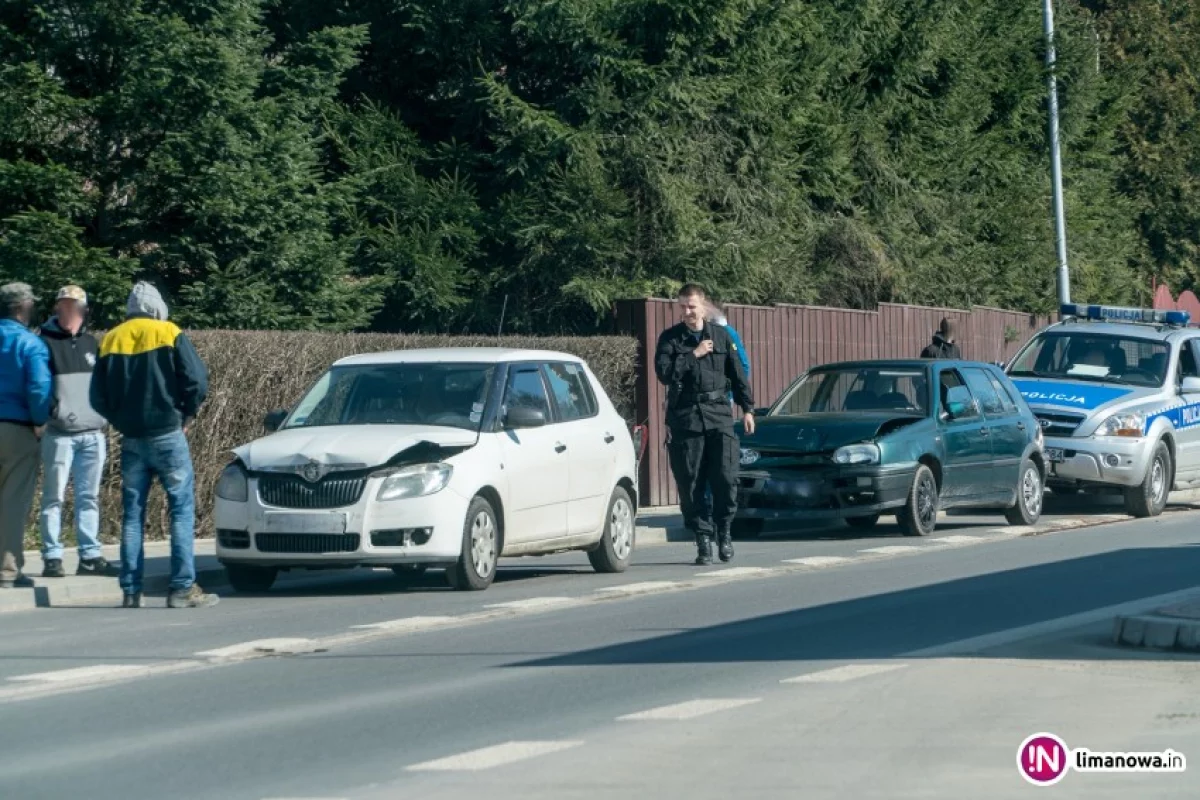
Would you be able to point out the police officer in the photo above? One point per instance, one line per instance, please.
(698, 363)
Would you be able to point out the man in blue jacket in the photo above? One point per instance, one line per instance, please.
(25, 394)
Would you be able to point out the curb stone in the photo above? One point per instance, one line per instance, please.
(1172, 628)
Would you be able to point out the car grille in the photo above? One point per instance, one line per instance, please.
(306, 542)
(1059, 424)
(291, 491)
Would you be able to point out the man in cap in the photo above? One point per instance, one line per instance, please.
(25, 391)
(149, 383)
(943, 344)
(74, 446)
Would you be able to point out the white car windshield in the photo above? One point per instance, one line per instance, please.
(835, 391)
(1094, 357)
(453, 395)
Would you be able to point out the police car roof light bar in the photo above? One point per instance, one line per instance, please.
(1145, 316)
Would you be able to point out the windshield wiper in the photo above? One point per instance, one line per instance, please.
(1035, 373)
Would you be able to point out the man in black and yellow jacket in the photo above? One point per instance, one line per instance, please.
(150, 383)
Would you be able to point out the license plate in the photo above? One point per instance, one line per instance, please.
(305, 523)
(1054, 454)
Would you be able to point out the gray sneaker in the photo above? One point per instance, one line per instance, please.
(195, 597)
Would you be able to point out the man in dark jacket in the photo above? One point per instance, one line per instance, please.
(698, 363)
(74, 444)
(943, 344)
(149, 383)
(24, 408)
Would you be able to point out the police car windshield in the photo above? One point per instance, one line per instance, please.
(838, 391)
(1094, 357)
(451, 395)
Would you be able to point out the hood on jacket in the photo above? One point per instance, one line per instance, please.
(145, 301)
(941, 341)
(52, 329)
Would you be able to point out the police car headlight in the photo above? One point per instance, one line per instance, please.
(1130, 424)
(748, 457)
(857, 454)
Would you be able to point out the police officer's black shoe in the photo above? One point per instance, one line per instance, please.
(725, 546)
(703, 551)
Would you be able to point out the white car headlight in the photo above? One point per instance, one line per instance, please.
(233, 485)
(1129, 424)
(748, 456)
(857, 454)
(415, 481)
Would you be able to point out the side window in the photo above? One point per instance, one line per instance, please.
(981, 386)
(572, 393)
(1007, 399)
(526, 390)
(951, 388)
(1187, 360)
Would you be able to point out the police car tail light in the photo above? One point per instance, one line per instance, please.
(1124, 314)
(1131, 425)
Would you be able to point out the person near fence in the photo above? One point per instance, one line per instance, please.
(149, 384)
(25, 392)
(74, 446)
(698, 363)
(943, 345)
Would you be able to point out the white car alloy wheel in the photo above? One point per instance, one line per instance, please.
(481, 548)
(615, 548)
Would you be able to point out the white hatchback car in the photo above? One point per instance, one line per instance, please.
(433, 458)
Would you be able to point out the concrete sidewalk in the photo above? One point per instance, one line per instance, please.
(655, 527)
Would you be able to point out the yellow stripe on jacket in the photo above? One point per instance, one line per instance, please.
(139, 335)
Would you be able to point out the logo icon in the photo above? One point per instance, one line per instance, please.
(312, 471)
(1043, 759)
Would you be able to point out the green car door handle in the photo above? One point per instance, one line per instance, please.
(984, 432)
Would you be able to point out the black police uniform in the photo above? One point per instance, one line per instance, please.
(703, 448)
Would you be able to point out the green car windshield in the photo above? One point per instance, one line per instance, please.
(839, 391)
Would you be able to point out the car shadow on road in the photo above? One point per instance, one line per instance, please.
(897, 624)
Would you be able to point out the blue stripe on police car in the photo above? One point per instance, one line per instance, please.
(1040, 392)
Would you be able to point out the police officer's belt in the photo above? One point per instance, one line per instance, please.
(716, 396)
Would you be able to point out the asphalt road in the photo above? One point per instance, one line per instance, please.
(665, 681)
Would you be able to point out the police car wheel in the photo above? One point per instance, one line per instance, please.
(918, 517)
(616, 545)
(1030, 495)
(1150, 498)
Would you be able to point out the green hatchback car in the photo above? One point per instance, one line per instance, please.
(858, 440)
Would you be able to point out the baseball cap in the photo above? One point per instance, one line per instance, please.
(72, 292)
(12, 294)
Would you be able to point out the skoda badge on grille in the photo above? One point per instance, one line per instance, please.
(312, 471)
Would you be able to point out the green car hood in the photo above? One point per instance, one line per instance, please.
(822, 433)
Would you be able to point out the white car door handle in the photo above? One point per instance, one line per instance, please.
(609, 438)
(560, 447)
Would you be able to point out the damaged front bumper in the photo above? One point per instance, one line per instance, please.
(826, 492)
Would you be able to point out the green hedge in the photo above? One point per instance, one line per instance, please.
(252, 372)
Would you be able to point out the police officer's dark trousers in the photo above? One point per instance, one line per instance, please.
(706, 461)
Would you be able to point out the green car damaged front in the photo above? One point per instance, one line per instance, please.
(841, 443)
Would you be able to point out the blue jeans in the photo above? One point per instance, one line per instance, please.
(168, 458)
(77, 457)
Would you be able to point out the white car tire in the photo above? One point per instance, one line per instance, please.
(615, 550)
(476, 567)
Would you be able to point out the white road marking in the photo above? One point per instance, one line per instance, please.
(262, 647)
(496, 756)
(690, 710)
(990, 640)
(733, 572)
(533, 602)
(892, 549)
(958, 539)
(818, 561)
(405, 624)
(641, 588)
(97, 672)
(842, 674)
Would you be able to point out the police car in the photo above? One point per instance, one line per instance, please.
(1117, 394)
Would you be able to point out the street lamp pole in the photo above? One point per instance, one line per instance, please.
(1060, 218)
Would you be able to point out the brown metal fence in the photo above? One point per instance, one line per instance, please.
(784, 341)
